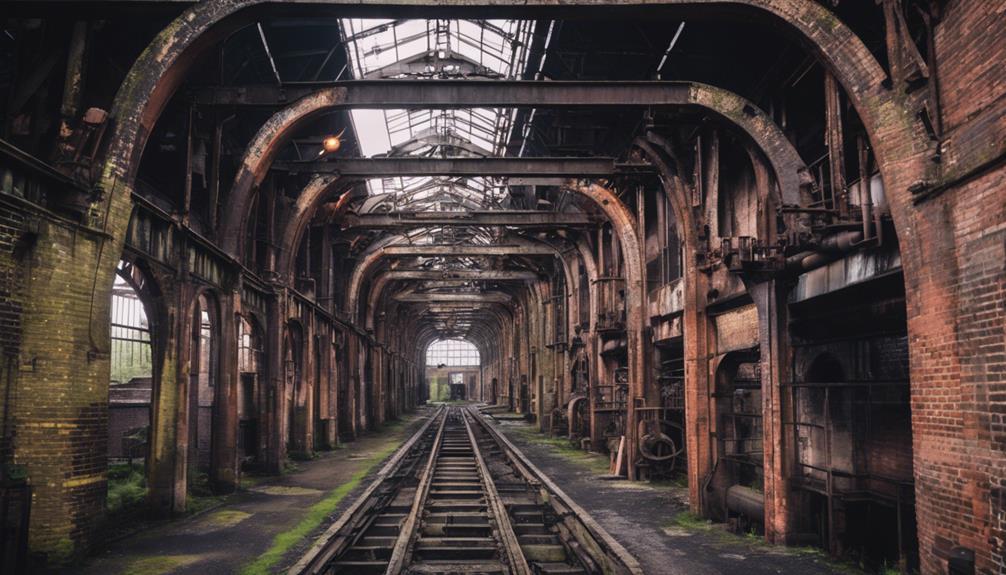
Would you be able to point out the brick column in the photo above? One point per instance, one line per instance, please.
(166, 477)
(274, 400)
(770, 297)
(224, 466)
(698, 419)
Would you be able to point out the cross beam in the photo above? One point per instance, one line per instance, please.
(514, 218)
(457, 310)
(450, 94)
(460, 298)
(462, 275)
(469, 167)
(462, 250)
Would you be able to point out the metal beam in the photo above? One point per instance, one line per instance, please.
(462, 275)
(450, 94)
(444, 284)
(465, 298)
(514, 218)
(470, 167)
(462, 250)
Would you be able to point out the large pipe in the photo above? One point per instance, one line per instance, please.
(830, 249)
(747, 502)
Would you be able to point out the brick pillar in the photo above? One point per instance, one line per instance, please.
(354, 372)
(770, 297)
(377, 380)
(59, 401)
(698, 419)
(224, 466)
(166, 476)
(275, 420)
(304, 434)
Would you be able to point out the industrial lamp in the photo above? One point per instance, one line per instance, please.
(331, 143)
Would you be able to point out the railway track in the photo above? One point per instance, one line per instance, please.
(459, 498)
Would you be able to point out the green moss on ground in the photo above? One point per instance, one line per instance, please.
(201, 496)
(754, 543)
(317, 513)
(226, 518)
(595, 462)
(127, 487)
(159, 564)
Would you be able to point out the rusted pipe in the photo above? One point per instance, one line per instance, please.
(747, 502)
(865, 202)
(831, 249)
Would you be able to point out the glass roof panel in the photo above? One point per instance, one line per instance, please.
(431, 49)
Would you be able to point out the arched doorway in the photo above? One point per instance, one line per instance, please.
(130, 391)
(453, 369)
(204, 362)
(251, 371)
(293, 373)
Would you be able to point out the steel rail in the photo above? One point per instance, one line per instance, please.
(407, 534)
(497, 509)
(609, 548)
(317, 558)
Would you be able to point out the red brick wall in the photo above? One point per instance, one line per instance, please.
(971, 50)
(10, 293)
(959, 388)
(957, 339)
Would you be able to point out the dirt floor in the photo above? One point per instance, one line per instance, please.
(652, 522)
(263, 528)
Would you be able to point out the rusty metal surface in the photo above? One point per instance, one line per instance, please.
(516, 218)
(472, 167)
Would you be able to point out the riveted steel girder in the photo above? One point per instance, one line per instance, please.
(513, 218)
(471, 167)
(491, 297)
(465, 250)
(462, 275)
(449, 94)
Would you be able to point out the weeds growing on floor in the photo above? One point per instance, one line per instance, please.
(316, 514)
(201, 496)
(127, 487)
(597, 463)
(753, 542)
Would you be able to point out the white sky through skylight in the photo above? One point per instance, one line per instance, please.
(433, 49)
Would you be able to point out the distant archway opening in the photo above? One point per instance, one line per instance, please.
(453, 370)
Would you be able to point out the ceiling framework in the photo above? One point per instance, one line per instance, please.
(436, 117)
(435, 49)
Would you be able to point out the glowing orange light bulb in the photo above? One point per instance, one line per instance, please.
(332, 143)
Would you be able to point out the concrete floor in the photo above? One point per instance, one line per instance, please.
(231, 537)
(641, 517)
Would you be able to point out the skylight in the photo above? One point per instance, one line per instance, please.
(435, 49)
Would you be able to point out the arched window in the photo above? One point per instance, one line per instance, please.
(131, 377)
(131, 357)
(252, 373)
(204, 363)
(452, 353)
